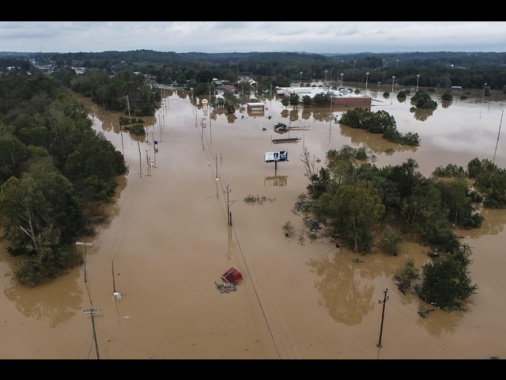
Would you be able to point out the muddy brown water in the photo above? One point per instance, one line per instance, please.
(169, 241)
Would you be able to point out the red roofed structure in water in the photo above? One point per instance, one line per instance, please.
(232, 275)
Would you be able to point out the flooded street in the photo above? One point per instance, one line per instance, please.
(169, 240)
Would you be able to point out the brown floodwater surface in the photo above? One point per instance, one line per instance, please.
(169, 240)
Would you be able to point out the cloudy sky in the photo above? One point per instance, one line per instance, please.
(253, 36)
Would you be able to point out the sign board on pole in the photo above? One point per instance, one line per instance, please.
(282, 155)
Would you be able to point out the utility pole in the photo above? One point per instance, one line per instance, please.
(140, 158)
(147, 162)
(385, 299)
(498, 135)
(154, 148)
(228, 207)
(92, 312)
(84, 256)
(216, 160)
(114, 292)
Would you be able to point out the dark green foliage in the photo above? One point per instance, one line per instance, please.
(390, 241)
(137, 130)
(125, 91)
(322, 99)
(447, 96)
(380, 122)
(354, 211)
(450, 171)
(490, 182)
(359, 199)
(52, 166)
(458, 200)
(446, 282)
(424, 101)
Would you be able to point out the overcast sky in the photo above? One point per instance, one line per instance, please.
(251, 36)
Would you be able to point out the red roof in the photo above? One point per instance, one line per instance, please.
(232, 275)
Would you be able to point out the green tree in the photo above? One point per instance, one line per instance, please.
(446, 282)
(354, 210)
(390, 241)
(447, 96)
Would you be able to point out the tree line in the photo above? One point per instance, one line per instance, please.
(430, 70)
(56, 173)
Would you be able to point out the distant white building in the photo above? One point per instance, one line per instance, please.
(312, 91)
(340, 97)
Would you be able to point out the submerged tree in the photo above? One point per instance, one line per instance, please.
(446, 282)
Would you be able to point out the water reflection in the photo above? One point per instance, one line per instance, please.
(337, 286)
(374, 141)
(41, 304)
(438, 322)
(492, 225)
(280, 180)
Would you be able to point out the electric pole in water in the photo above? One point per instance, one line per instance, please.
(385, 299)
(228, 207)
(92, 312)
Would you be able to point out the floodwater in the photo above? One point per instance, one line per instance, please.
(148, 287)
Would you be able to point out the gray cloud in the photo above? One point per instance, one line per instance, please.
(249, 36)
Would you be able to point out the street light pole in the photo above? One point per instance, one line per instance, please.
(301, 78)
(341, 78)
(366, 77)
(325, 77)
(417, 79)
(393, 80)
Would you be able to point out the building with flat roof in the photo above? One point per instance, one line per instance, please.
(340, 97)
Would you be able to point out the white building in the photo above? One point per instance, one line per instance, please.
(312, 91)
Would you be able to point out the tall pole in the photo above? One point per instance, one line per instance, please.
(147, 162)
(417, 79)
(228, 207)
(113, 282)
(80, 243)
(393, 81)
(140, 158)
(216, 160)
(94, 333)
(385, 298)
(154, 149)
(92, 312)
(366, 77)
(498, 135)
(483, 98)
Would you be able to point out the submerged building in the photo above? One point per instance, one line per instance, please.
(340, 97)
